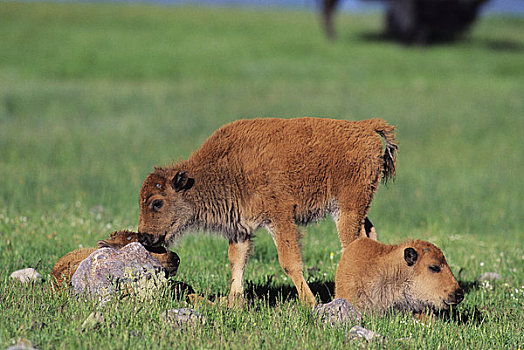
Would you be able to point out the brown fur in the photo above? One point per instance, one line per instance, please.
(377, 276)
(66, 266)
(271, 173)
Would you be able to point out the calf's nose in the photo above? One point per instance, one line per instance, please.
(459, 295)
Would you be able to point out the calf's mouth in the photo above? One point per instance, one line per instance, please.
(152, 242)
(454, 298)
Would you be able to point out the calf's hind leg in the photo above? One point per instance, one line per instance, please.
(352, 222)
(286, 236)
(348, 227)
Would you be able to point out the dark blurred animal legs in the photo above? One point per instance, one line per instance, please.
(328, 9)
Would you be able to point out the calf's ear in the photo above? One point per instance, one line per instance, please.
(103, 244)
(410, 255)
(181, 181)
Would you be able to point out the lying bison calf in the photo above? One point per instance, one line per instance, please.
(271, 173)
(413, 276)
(66, 266)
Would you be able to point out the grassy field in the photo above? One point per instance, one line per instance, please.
(92, 96)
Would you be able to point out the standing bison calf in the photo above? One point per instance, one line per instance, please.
(413, 276)
(271, 173)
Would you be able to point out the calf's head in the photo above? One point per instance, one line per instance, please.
(432, 283)
(164, 207)
(119, 239)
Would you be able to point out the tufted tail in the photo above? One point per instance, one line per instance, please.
(391, 147)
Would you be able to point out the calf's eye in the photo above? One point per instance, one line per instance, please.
(434, 268)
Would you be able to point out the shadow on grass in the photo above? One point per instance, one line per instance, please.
(381, 37)
(503, 45)
(466, 316)
(273, 293)
(375, 37)
(499, 45)
(468, 286)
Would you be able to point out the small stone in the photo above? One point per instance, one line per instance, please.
(406, 341)
(338, 312)
(93, 321)
(22, 344)
(27, 275)
(489, 276)
(184, 316)
(361, 332)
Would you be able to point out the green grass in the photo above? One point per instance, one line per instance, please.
(92, 96)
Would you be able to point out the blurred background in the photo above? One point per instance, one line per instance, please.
(494, 6)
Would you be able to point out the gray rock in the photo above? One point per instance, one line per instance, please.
(22, 344)
(20, 347)
(93, 321)
(338, 312)
(361, 332)
(131, 269)
(27, 275)
(182, 317)
(489, 276)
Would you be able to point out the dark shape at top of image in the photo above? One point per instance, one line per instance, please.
(418, 22)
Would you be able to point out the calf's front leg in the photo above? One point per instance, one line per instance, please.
(237, 252)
